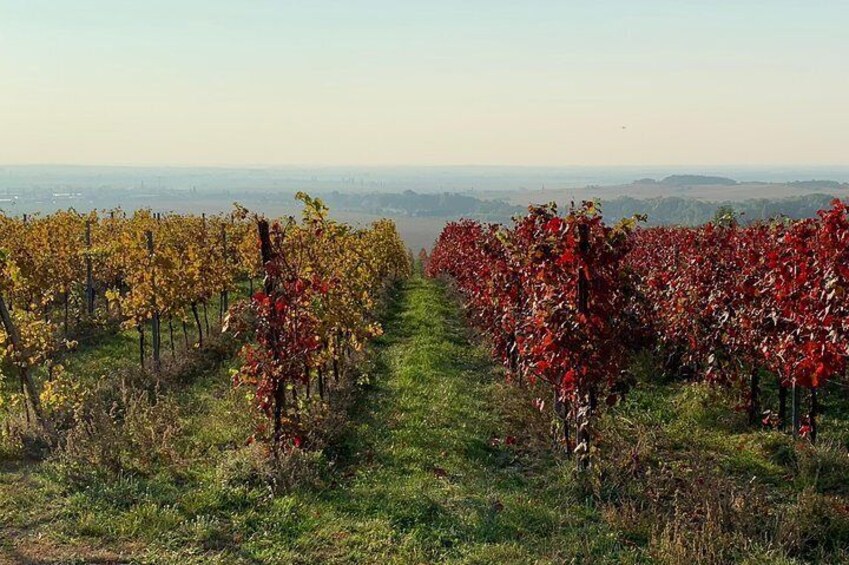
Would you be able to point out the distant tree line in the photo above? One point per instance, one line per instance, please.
(660, 211)
(409, 203)
(690, 211)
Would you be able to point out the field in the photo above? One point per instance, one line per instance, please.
(442, 462)
(359, 407)
(391, 283)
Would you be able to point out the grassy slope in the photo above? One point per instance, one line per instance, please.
(428, 484)
(424, 475)
(120, 350)
(419, 481)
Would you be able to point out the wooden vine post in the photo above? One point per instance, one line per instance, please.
(155, 320)
(754, 397)
(585, 393)
(32, 401)
(205, 300)
(89, 278)
(795, 408)
(812, 415)
(268, 287)
(782, 407)
(225, 299)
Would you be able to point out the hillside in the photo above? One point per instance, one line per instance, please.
(697, 180)
(443, 462)
(229, 389)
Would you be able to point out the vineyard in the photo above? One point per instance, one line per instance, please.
(69, 277)
(671, 394)
(568, 300)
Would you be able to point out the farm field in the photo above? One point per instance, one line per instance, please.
(443, 462)
(556, 391)
(391, 283)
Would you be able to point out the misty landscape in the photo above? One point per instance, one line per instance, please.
(422, 199)
(550, 282)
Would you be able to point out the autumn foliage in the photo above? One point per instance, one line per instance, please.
(323, 283)
(565, 299)
(65, 275)
(548, 292)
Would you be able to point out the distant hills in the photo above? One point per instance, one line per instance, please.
(689, 180)
(697, 180)
(681, 210)
(706, 180)
(819, 184)
(422, 199)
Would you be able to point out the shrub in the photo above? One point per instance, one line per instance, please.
(137, 433)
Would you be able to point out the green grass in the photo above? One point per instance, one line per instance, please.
(418, 477)
(423, 474)
(108, 352)
(428, 485)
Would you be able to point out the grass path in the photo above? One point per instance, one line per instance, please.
(429, 484)
(424, 476)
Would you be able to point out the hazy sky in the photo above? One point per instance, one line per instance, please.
(424, 82)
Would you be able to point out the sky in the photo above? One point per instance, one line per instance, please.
(395, 82)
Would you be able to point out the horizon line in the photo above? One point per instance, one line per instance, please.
(420, 166)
